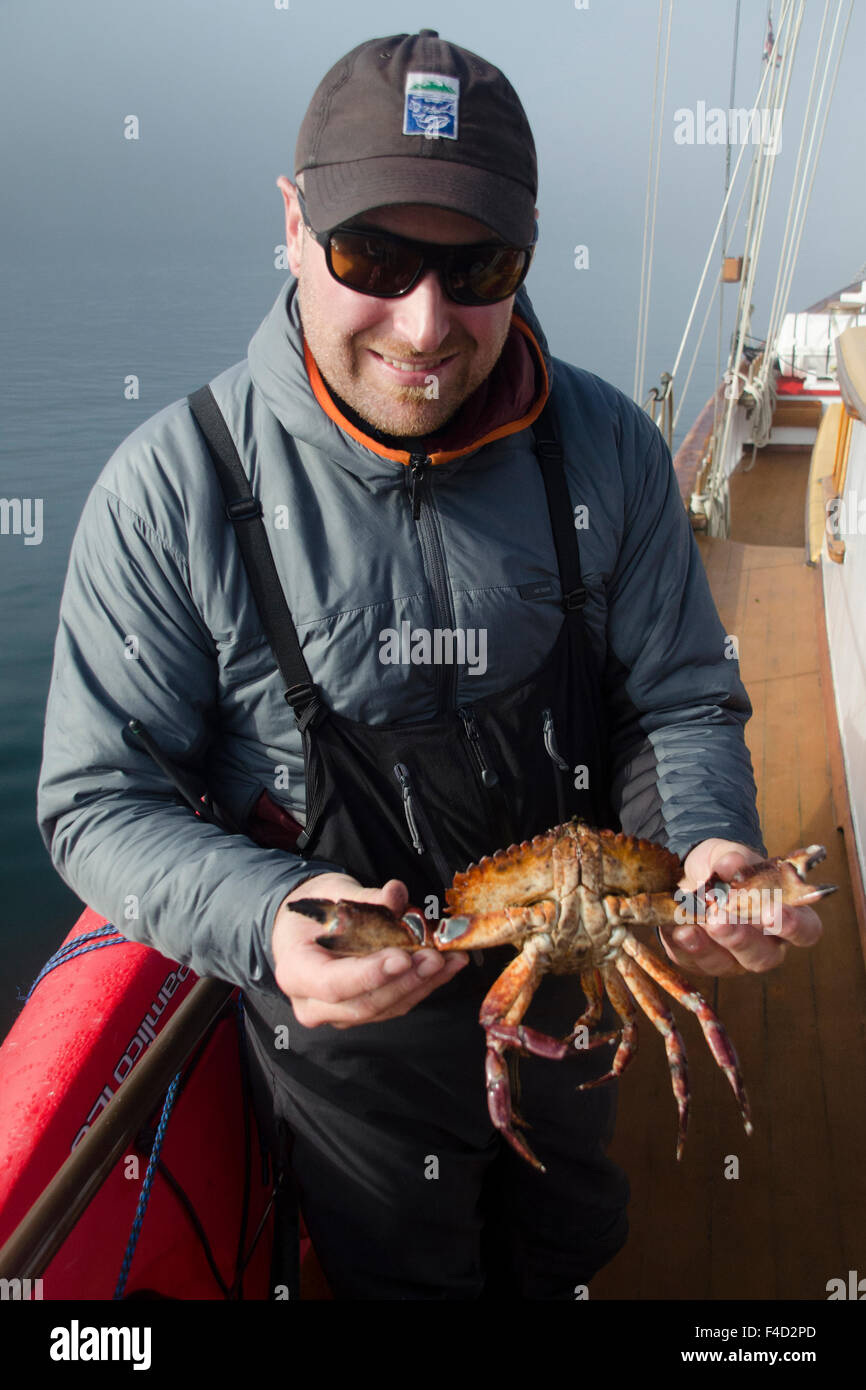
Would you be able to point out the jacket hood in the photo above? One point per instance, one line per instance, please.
(285, 374)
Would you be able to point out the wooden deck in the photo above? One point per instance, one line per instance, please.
(768, 502)
(795, 1216)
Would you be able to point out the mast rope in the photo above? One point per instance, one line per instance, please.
(718, 227)
(716, 483)
(716, 288)
(655, 149)
(787, 264)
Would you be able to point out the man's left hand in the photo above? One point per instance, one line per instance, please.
(718, 946)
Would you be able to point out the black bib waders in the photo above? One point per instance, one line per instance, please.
(407, 1189)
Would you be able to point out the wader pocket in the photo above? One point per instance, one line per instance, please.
(560, 766)
(418, 823)
(488, 775)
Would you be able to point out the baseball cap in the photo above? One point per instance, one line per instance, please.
(414, 119)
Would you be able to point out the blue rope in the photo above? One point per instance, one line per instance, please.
(146, 1186)
(68, 951)
(75, 948)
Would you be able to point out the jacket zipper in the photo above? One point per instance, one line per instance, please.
(433, 554)
(427, 520)
(417, 468)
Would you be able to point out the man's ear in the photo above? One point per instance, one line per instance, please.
(294, 223)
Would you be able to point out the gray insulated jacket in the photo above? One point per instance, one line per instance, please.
(157, 622)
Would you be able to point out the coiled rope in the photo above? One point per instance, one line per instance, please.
(74, 948)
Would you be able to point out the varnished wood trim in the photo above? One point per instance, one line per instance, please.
(843, 441)
(798, 412)
(689, 456)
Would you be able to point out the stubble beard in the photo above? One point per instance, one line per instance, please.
(397, 410)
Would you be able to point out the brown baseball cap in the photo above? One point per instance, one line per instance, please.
(413, 119)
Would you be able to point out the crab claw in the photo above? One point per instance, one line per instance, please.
(357, 929)
(785, 876)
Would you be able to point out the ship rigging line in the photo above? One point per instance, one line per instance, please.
(719, 223)
(715, 487)
(700, 339)
(796, 221)
(725, 243)
(649, 221)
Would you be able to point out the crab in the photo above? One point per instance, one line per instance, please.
(568, 899)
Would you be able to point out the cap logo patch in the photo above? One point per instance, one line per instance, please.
(430, 105)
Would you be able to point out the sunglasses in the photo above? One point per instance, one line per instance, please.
(379, 263)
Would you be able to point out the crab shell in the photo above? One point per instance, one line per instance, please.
(606, 864)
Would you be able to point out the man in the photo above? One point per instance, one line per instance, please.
(397, 423)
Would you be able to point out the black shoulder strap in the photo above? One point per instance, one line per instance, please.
(550, 459)
(244, 511)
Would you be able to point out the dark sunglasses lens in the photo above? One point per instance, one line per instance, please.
(371, 264)
(378, 266)
(488, 276)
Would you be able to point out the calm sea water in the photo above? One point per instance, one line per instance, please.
(68, 338)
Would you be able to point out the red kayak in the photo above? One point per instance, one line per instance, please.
(96, 1009)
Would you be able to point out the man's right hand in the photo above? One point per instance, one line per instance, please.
(347, 990)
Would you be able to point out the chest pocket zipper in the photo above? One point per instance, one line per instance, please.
(489, 777)
(423, 839)
(559, 763)
(470, 724)
(417, 821)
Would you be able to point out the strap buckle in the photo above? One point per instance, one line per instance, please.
(243, 509)
(300, 694)
(305, 703)
(549, 448)
(575, 600)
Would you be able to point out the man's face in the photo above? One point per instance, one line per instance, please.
(357, 339)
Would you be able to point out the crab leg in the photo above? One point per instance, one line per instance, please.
(593, 988)
(645, 909)
(622, 1002)
(782, 881)
(746, 892)
(713, 1029)
(661, 1017)
(501, 1012)
(499, 927)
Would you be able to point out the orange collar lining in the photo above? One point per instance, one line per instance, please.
(322, 395)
